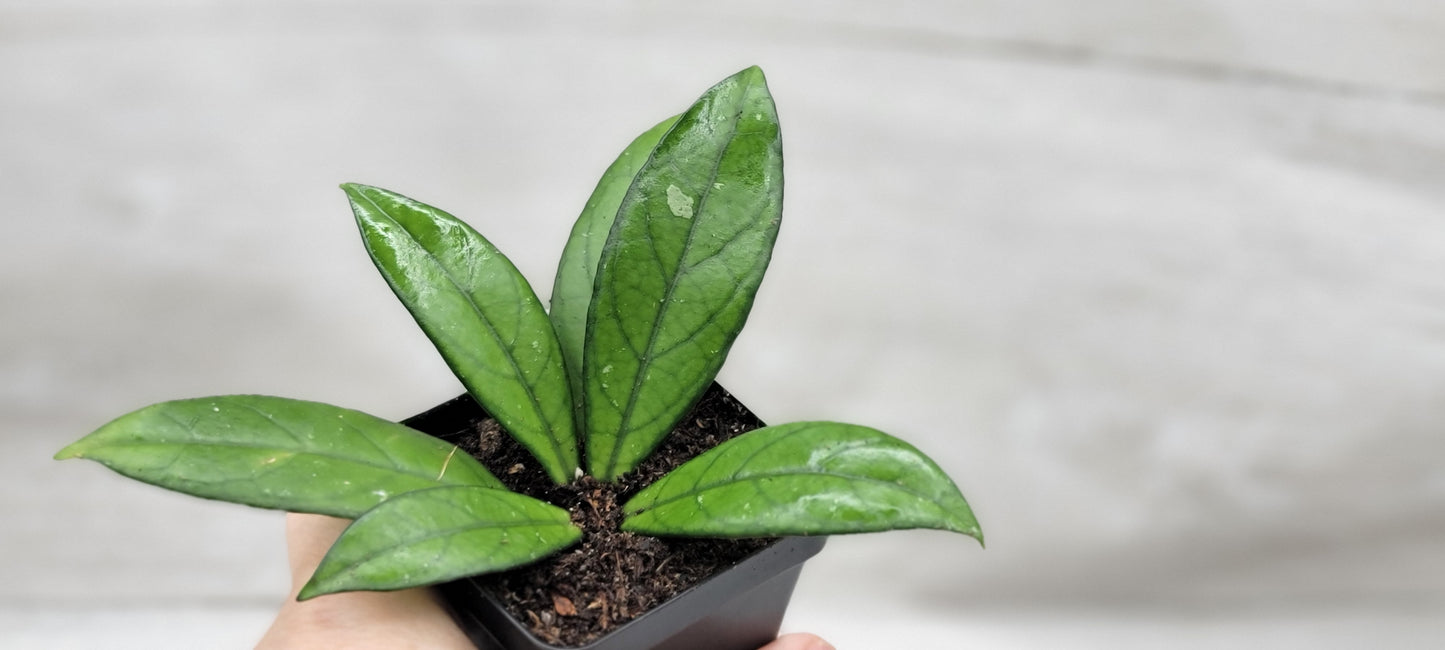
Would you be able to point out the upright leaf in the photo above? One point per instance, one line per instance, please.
(577, 270)
(432, 536)
(681, 266)
(273, 452)
(481, 314)
(805, 478)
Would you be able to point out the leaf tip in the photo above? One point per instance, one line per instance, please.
(970, 527)
(324, 581)
(356, 191)
(574, 535)
(753, 77)
(72, 450)
(311, 590)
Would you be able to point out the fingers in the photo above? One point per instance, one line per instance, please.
(798, 642)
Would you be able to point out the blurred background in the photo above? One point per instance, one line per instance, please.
(1161, 283)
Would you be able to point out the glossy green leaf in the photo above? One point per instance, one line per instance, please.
(682, 264)
(432, 536)
(273, 452)
(482, 315)
(805, 478)
(577, 270)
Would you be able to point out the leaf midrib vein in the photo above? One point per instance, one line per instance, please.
(790, 473)
(353, 567)
(491, 330)
(395, 468)
(626, 416)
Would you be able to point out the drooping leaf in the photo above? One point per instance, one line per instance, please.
(805, 478)
(682, 264)
(577, 270)
(482, 315)
(273, 452)
(430, 536)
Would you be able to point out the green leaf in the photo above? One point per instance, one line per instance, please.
(481, 314)
(577, 270)
(432, 536)
(805, 478)
(273, 452)
(680, 269)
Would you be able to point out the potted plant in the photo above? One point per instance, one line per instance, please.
(654, 284)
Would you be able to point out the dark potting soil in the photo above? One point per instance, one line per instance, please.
(611, 576)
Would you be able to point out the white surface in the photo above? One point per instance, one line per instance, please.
(1115, 629)
(1159, 283)
(154, 626)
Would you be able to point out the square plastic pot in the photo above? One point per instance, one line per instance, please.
(740, 608)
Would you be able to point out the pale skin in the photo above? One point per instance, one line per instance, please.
(393, 620)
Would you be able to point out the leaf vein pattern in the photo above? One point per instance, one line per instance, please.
(353, 567)
(706, 324)
(798, 473)
(697, 484)
(344, 459)
(491, 330)
(626, 419)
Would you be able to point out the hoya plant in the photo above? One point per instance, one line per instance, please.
(655, 282)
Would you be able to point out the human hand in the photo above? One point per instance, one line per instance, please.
(406, 619)
(798, 642)
(384, 620)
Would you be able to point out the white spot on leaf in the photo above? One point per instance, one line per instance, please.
(681, 204)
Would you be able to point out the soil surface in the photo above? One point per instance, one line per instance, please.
(611, 576)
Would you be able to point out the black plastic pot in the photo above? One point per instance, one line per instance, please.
(740, 608)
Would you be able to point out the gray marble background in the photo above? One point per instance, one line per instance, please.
(1161, 283)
